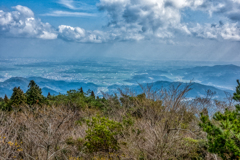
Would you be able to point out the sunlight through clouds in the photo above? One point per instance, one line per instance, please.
(133, 20)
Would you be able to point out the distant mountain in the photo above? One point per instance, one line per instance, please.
(46, 90)
(15, 82)
(48, 85)
(7, 86)
(218, 75)
(62, 86)
(197, 89)
(55, 87)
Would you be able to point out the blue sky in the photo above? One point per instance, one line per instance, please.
(135, 29)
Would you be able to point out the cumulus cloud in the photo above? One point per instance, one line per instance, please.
(217, 31)
(147, 15)
(24, 11)
(48, 35)
(80, 35)
(231, 31)
(144, 19)
(22, 22)
(163, 18)
(224, 8)
(128, 20)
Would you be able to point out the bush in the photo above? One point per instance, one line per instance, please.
(223, 132)
(76, 98)
(224, 139)
(4, 106)
(102, 135)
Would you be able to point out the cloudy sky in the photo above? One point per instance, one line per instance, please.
(134, 29)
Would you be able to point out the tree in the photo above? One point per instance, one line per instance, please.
(92, 94)
(18, 97)
(34, 94)
(6, 100)
(49, 95)
(81, 90)
(236, 95)
(223, 132)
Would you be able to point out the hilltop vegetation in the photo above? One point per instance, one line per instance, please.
(156, 124)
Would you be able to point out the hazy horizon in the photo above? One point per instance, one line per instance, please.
(107, 44)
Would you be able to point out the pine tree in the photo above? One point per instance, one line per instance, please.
(6, 100)
(49, 95)
(224, 136)
(236, 95)
(92, 94)
(81, 90)
(34, 94)
(18, 97)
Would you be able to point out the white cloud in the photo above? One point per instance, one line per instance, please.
(163, 18)
(24, 11)
(236, 1)
(220, 31)
(215, 8)
(224, 8)
(76, 5)
(231, 32)
(144, 19)
(128, 20)
(186, 3)
(80, 35)
(48, 35)
(68, 14)
(5, 18)
(23, 23)
(204, 31)
(149, 14)
(67, 3)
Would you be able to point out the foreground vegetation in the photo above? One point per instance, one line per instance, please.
(160, 124)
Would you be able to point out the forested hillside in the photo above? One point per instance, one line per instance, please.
(156, 124)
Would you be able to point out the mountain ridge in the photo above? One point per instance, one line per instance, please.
(56, 87)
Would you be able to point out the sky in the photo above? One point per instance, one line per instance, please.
(204, 30)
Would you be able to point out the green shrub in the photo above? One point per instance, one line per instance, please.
(4, 106)
(102, 135)
(77, 99)
(224, 138)
(224, 135)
